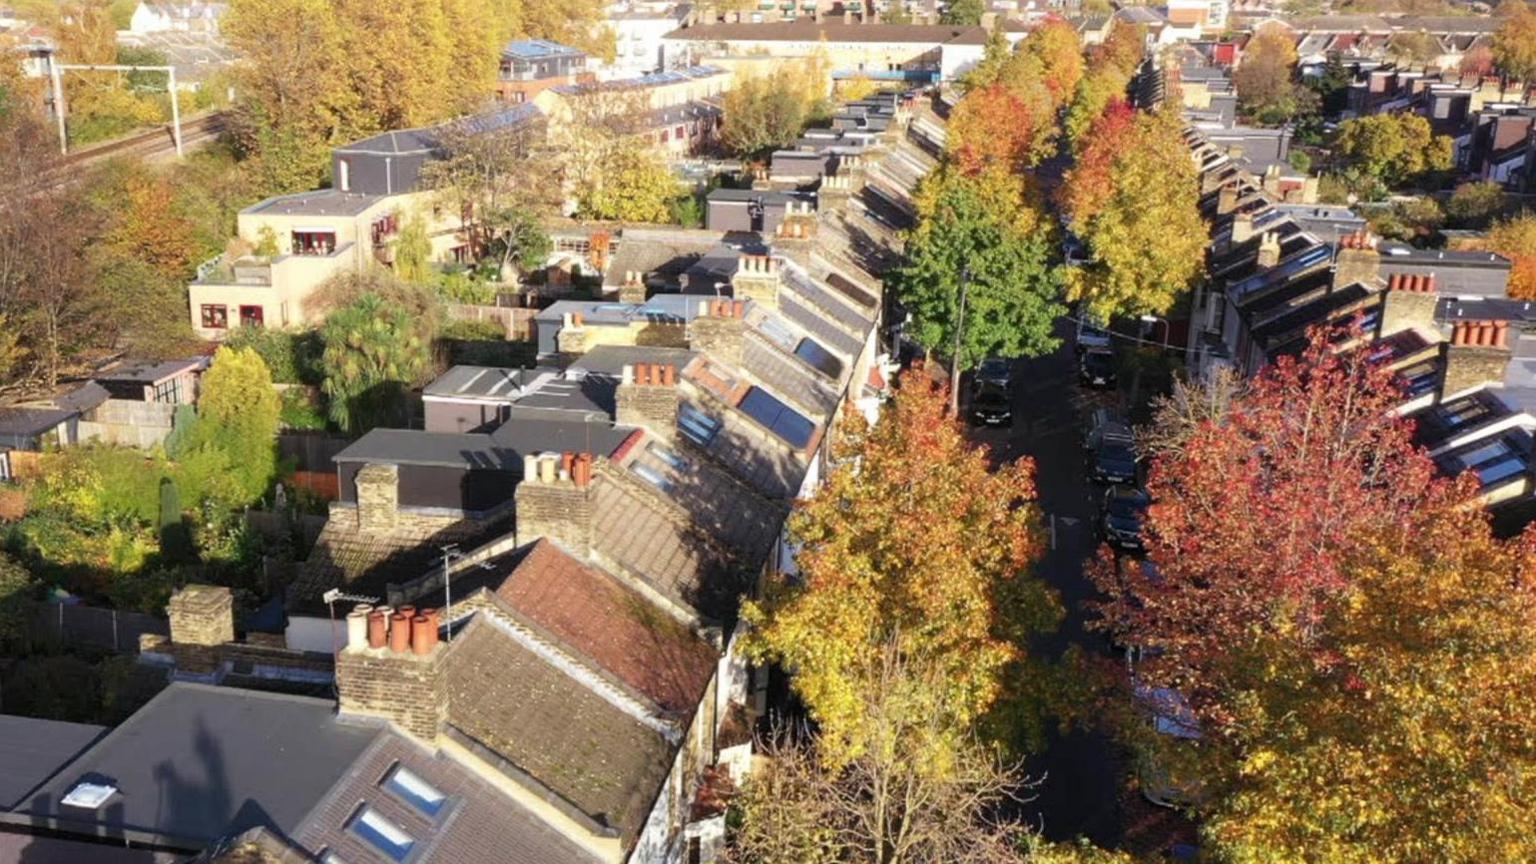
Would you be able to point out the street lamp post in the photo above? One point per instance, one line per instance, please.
(954, 362)
(1155, 319)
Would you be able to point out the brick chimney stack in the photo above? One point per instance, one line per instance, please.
(718, 330)
(391, 668)
(1357, 261)
(1226, 200)
(378, 497)
(757, 278)
(795, 235)
(633, 290)
(647, 396)
(1478, 354)
(554, 500)
(1269, 250)
(1242, 228)
(1409, 302)
(202, 620)
(834, 191)
(573, 336)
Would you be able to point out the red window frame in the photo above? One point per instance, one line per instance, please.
(215, 316)
(252, 316)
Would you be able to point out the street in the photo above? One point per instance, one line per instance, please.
(1083, 775)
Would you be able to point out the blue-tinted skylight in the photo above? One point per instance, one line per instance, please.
(780, 419)
(388, 838)
(698, 426)
(652, 476)
(417, 792)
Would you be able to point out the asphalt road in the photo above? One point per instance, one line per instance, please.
(1083, 789)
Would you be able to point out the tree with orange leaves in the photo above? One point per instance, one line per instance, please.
(1515, 239)
(991, 127)
(914, 540)
(1060, 51)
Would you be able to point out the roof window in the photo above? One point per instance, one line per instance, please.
(698, 426)
(89, 795)
(380, 833)
(417, 792)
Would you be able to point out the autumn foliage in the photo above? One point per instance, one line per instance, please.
(914, 540)
(1515, 239)
(1354, 638)
(991, 127)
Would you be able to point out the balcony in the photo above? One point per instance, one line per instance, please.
(289, 272)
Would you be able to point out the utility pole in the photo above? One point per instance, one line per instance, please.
(954, 361)
(58, 94)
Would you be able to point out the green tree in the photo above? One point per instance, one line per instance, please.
(16, 589)
(1265, 80)
(374, 353)
(966, 13)
(978, 232)
(1394, 148)
(237, 416)
(1475, 203)
(954, 594)
(763, 113)
(413, 251)
(517, 235)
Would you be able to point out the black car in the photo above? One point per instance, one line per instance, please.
(990, 406)
(1097, 369)
(995, 370)
(1120, 518)
(1112, 462)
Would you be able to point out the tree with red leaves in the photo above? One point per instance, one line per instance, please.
(1255, 513)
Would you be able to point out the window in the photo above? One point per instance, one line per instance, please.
(652, 476)
(663, 136)
(778, 418)
(820, 359)
(385, 836)
(168, 392)
(681, 132)
(215, 316)
(416, 792)
(698, 426)
(314, 242)
(344, 175)
(252, 316)
(667, 455)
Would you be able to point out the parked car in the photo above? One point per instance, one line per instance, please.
(1121, 516)
(1167, 764)
(991, 406)
(1112, 462)
(1091, 334)
(1097, 369)
(995, 370)
(1107, 426)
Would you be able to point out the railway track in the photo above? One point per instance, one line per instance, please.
(151, 144)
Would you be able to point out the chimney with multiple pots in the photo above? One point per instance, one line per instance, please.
(1478, 353)
(390, 668)
(648, 396)
(554, 500)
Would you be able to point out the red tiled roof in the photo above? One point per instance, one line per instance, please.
(620, 631)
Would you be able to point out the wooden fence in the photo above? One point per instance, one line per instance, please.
(516, 322)
(78, 625)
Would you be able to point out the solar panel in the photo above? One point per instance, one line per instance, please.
(778, 418)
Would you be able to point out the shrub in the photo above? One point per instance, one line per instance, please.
(292, 357)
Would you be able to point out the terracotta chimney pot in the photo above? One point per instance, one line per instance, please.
(399, 633)
(423, 635)
(378, 630)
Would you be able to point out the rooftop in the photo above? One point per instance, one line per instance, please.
(811, 32)
(538, 49)
(320, 202)
(198, 763)
(32, 750)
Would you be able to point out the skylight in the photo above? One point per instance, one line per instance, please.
(89, 795)
(698, 426)
(652, 476)
(385, 836)
(820, 358)
(417, 792)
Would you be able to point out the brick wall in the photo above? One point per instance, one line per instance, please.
(1401, 310)
(405, 688)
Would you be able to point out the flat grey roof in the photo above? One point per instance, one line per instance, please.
(321, 202)
(538, 434)
(149, 371)
(420, 447)
(31, 750)
(31, 421)
(487, 382)
(198, 763)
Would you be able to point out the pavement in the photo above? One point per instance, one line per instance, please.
(1084, 788)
